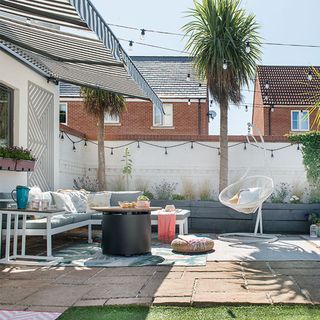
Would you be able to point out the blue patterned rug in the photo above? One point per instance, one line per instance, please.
(90, 255)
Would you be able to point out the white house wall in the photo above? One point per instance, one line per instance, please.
(183, 164)
(17, 76)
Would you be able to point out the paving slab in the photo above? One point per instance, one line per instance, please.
(172, 301)
(47, 309)
(90, 303)
(129, 301)
(189, 276)
(310, 285)
(77, 275)
(231, 297)
(174, 287)
(221, 285)
(56, 295)
(13, 295)
(282, 284)
(13, 307)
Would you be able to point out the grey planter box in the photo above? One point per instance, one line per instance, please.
(212, 216)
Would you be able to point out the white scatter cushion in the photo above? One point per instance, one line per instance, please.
(46, 196)
(98, 199)
(78, 198)
(34, 193)
(63, 202)
(249, 195)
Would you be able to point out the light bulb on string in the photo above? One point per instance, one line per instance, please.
(272, 155)
(74, 147)
(189, 102)
(143, 34)
(298, 147)
(111, 151)
(245, 146)
(165, 151)
(225, 64)
(85, 143)
(272, 107)
(130, 45)
(310, 75)
(188, 77)
(191, 144)
(219, 153)
(62, 136)
(246, 108)
(248, 49)
(138, 146)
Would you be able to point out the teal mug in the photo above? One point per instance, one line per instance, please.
(22, 195)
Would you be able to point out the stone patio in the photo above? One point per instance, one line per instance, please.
(219, 282)
(57, 288)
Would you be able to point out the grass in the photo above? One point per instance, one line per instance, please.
(297, 312)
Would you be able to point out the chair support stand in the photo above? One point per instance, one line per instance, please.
(257, 236)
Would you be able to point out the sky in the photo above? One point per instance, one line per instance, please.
(283, 21)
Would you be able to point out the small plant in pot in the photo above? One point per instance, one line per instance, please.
(16, 158)
(143, 202)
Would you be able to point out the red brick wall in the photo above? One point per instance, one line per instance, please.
(138, 120)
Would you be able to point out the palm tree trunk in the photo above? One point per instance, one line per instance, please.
(101, 176)
(223, 173)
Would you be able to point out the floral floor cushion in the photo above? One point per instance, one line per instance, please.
(192, 244)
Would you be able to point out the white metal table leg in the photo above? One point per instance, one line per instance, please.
(49, 237)
(0, 233)
(185, 227)
(8, 235)
(23, 231)
(15, 234)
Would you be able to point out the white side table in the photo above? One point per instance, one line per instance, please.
(22, 258)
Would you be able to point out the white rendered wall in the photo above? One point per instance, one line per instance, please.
(197, 165)
(16, 76)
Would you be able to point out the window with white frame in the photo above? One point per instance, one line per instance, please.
(166, 119)
(299, 120)
(111, 119)
(63, 113)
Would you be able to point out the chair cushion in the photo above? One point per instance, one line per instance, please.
(56, 221)
(249, 195)
(81, 216)
(96, 216)
(78, 198)
(98, 199)
(129, 196)
(63, 202)
(192, 244)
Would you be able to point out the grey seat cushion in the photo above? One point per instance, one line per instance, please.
(57, 221)
(82, 216)
(129, 196)
(96, 216)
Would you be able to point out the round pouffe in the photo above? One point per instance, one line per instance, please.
(192, 245)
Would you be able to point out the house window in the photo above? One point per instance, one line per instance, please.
(6, 116)
(299, 120)
(111, 119)
(63, 114)
(166, 119)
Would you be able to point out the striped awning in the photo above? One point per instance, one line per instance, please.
(98, 63)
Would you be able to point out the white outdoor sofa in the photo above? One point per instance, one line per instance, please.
(69, 221)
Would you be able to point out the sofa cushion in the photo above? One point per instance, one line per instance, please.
(129, 196)
(96, 216)
(63, 202)
(81, 216)
(78, 198)
(56, 221)
(98, 199)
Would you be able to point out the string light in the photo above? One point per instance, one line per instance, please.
(165, 151)
(130, 45)
(62, 136)
(272, 107)
(143, 34)
(188, 77)
(85, 143)
(298, 147)
(138, 146)
(310, 75)
(245, 146)
(74, 147)
(272, 155)
(225, 64)
(191, 144)
(248, 49)
(246, 108)
(189, 102)
(111, 151)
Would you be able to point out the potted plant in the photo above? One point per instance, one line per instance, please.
(143, 202)
(16, 158)
(6, 161)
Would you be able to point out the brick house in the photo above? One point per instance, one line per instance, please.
(184, 100)
(282, 97)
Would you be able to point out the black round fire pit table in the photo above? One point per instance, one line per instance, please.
(126, 231)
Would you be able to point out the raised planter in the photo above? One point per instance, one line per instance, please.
(7, 164)
(25, 165)
(212, 216)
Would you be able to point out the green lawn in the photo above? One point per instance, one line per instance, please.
(188, 313)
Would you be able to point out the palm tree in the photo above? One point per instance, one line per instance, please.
(98, 102)
(220, 38)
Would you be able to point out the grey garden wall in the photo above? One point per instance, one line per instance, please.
(211, 216)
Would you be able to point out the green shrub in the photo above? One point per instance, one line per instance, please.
(178, 197)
